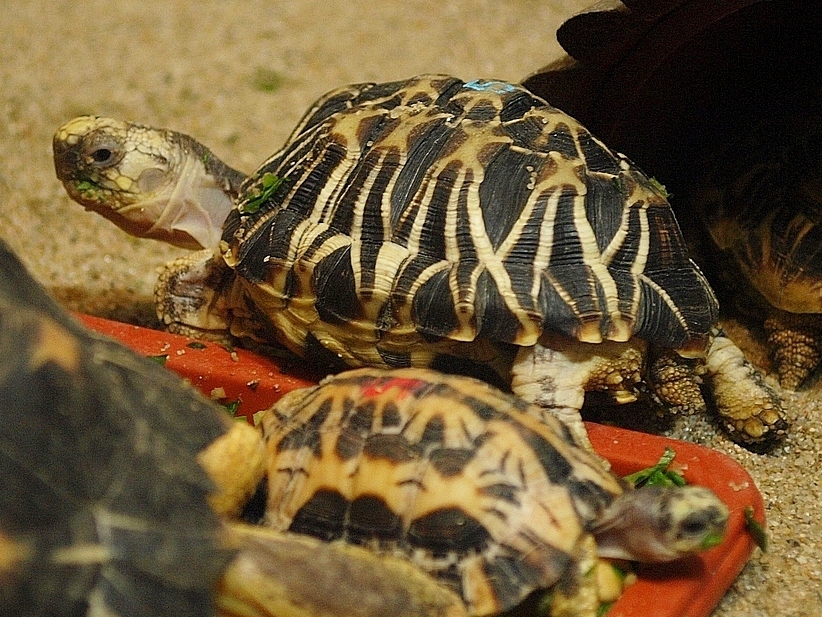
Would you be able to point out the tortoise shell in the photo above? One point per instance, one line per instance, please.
(98, 470)
(433, 209)
(447, 471)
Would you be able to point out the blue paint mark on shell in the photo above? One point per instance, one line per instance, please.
(490, 85)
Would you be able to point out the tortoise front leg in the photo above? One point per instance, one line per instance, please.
(278, 574)
(555, 375)
(750, 410)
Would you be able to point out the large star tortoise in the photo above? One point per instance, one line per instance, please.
(118, 486)
(430, 222)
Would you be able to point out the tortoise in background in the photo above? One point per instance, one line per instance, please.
(466, 226)
(118, 484)
(722, 103)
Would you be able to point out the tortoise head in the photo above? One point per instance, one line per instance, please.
(658, 524)
(152, 183)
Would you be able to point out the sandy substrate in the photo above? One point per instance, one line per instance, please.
(238, 74)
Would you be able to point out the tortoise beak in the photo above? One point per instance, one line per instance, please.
(66, 158)
(67, 147)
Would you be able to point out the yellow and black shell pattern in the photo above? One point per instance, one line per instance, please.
(446, 471)
(403, 213)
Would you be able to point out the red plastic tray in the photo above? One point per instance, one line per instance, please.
(685, 589)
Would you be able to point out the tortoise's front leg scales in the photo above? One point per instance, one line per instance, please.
(750, 410)
(556, 374)
(676, 381)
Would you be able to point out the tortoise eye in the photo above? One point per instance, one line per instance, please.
(104, 153)
(101, 156)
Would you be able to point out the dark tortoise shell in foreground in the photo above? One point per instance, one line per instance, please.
(120, 487)
(465, 226)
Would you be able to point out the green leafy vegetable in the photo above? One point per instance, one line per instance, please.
(231, 407)
(756, 529)
(161, 359)
(88, 189)
(661, 188)
(269, 183)
(712, 539)
(659, 474)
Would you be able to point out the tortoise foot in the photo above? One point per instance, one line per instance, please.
(796, 349)
(676, 382)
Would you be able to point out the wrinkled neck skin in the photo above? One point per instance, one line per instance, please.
(190, 209)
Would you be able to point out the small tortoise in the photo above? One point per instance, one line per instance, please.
(114, 478)
(718, 99)
(465, 226)
(106, 506)
(470, 483)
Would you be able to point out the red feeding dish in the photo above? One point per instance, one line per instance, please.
(685, 589)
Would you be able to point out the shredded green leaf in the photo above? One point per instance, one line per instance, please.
(87, 188)
(162, 359)
(661, 188)
(231, 407)
(269, 183)
(711, 540)
(604, 608)
(258, 417)
(659, 474)
(756, 529)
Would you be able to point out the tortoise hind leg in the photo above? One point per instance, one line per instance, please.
(796, 346)
(280, 574)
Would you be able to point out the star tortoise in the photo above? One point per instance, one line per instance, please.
(471, 484)
(465, 226)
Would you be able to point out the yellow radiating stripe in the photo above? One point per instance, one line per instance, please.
(668, 301)
(463, 298)
(301, 241)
